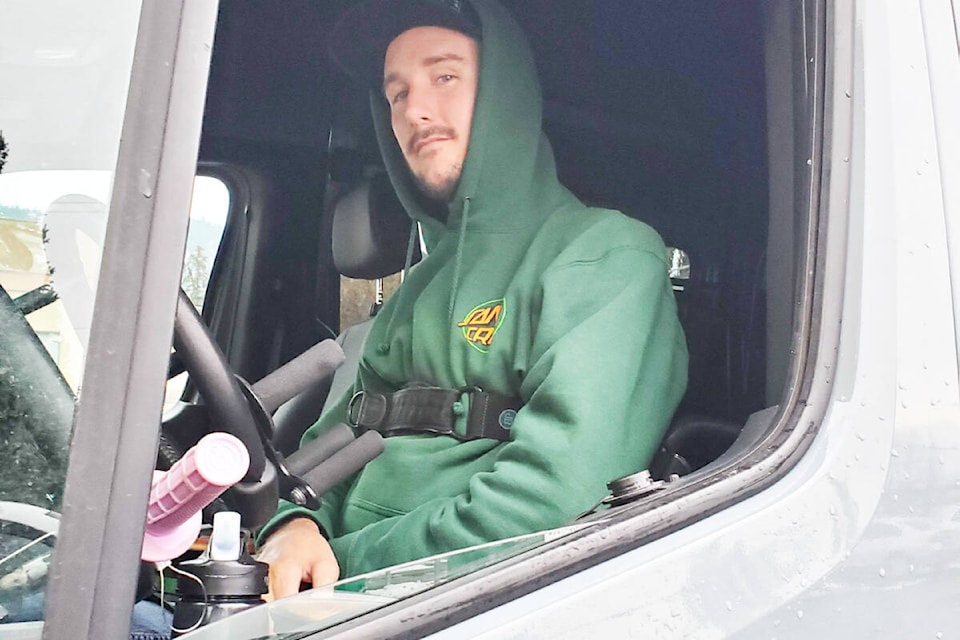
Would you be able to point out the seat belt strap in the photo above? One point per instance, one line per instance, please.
(434, 411)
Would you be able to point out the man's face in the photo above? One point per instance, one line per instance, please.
(430, 82)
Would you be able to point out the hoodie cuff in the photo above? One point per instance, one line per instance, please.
(287, 512)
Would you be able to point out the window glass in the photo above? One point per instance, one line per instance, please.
(208, 218)
(358, 298)
(27, 535)
(52, 225)
(64, 73)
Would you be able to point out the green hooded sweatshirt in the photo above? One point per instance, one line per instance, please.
(525, 292)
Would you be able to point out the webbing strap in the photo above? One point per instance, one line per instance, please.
(434, 410)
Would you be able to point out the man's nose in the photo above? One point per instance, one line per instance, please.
(420, 107)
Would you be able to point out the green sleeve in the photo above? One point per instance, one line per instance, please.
(604, 370)
(328, 515)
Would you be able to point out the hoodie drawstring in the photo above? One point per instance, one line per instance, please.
(411, 244)
(407, 263)
(457, 264)
(458, 261)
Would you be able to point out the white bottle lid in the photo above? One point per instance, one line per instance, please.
(225, 539)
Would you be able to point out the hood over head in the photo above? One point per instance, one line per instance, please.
(509, 175)
(362, 34)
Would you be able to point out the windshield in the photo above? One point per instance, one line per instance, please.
(64, 73)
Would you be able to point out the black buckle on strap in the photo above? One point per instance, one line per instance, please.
(491, 414)
(366, 409)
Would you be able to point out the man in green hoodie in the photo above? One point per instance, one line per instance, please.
(534, 354)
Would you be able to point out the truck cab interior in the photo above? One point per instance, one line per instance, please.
(659, 110)
(699, 117)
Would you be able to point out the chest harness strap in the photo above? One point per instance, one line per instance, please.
(434, 410)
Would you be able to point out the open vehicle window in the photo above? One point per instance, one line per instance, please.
(208, 219)
(359, 299)
(700, 119)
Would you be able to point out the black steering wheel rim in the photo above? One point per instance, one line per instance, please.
(218, 386)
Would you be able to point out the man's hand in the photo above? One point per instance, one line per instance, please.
(296, 552)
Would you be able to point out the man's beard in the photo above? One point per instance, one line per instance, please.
(444, 190)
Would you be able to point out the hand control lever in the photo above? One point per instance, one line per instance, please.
(177, 496)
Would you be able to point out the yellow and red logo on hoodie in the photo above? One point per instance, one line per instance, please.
(481, 324)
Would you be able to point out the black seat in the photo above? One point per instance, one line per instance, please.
(371, 230)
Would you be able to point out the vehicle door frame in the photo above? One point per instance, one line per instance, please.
(113, 449)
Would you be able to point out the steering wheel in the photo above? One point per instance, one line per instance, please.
(219, 387)
(233, 406)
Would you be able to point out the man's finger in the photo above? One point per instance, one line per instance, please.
(285, 579)
(324, 573)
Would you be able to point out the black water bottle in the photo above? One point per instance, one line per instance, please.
(223, 581)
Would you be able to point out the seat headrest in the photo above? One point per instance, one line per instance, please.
(370, 231)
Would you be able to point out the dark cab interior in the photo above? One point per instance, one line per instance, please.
(693, 116)
(663, 110)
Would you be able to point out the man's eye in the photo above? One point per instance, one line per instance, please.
(400, 95)
(445, 78)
